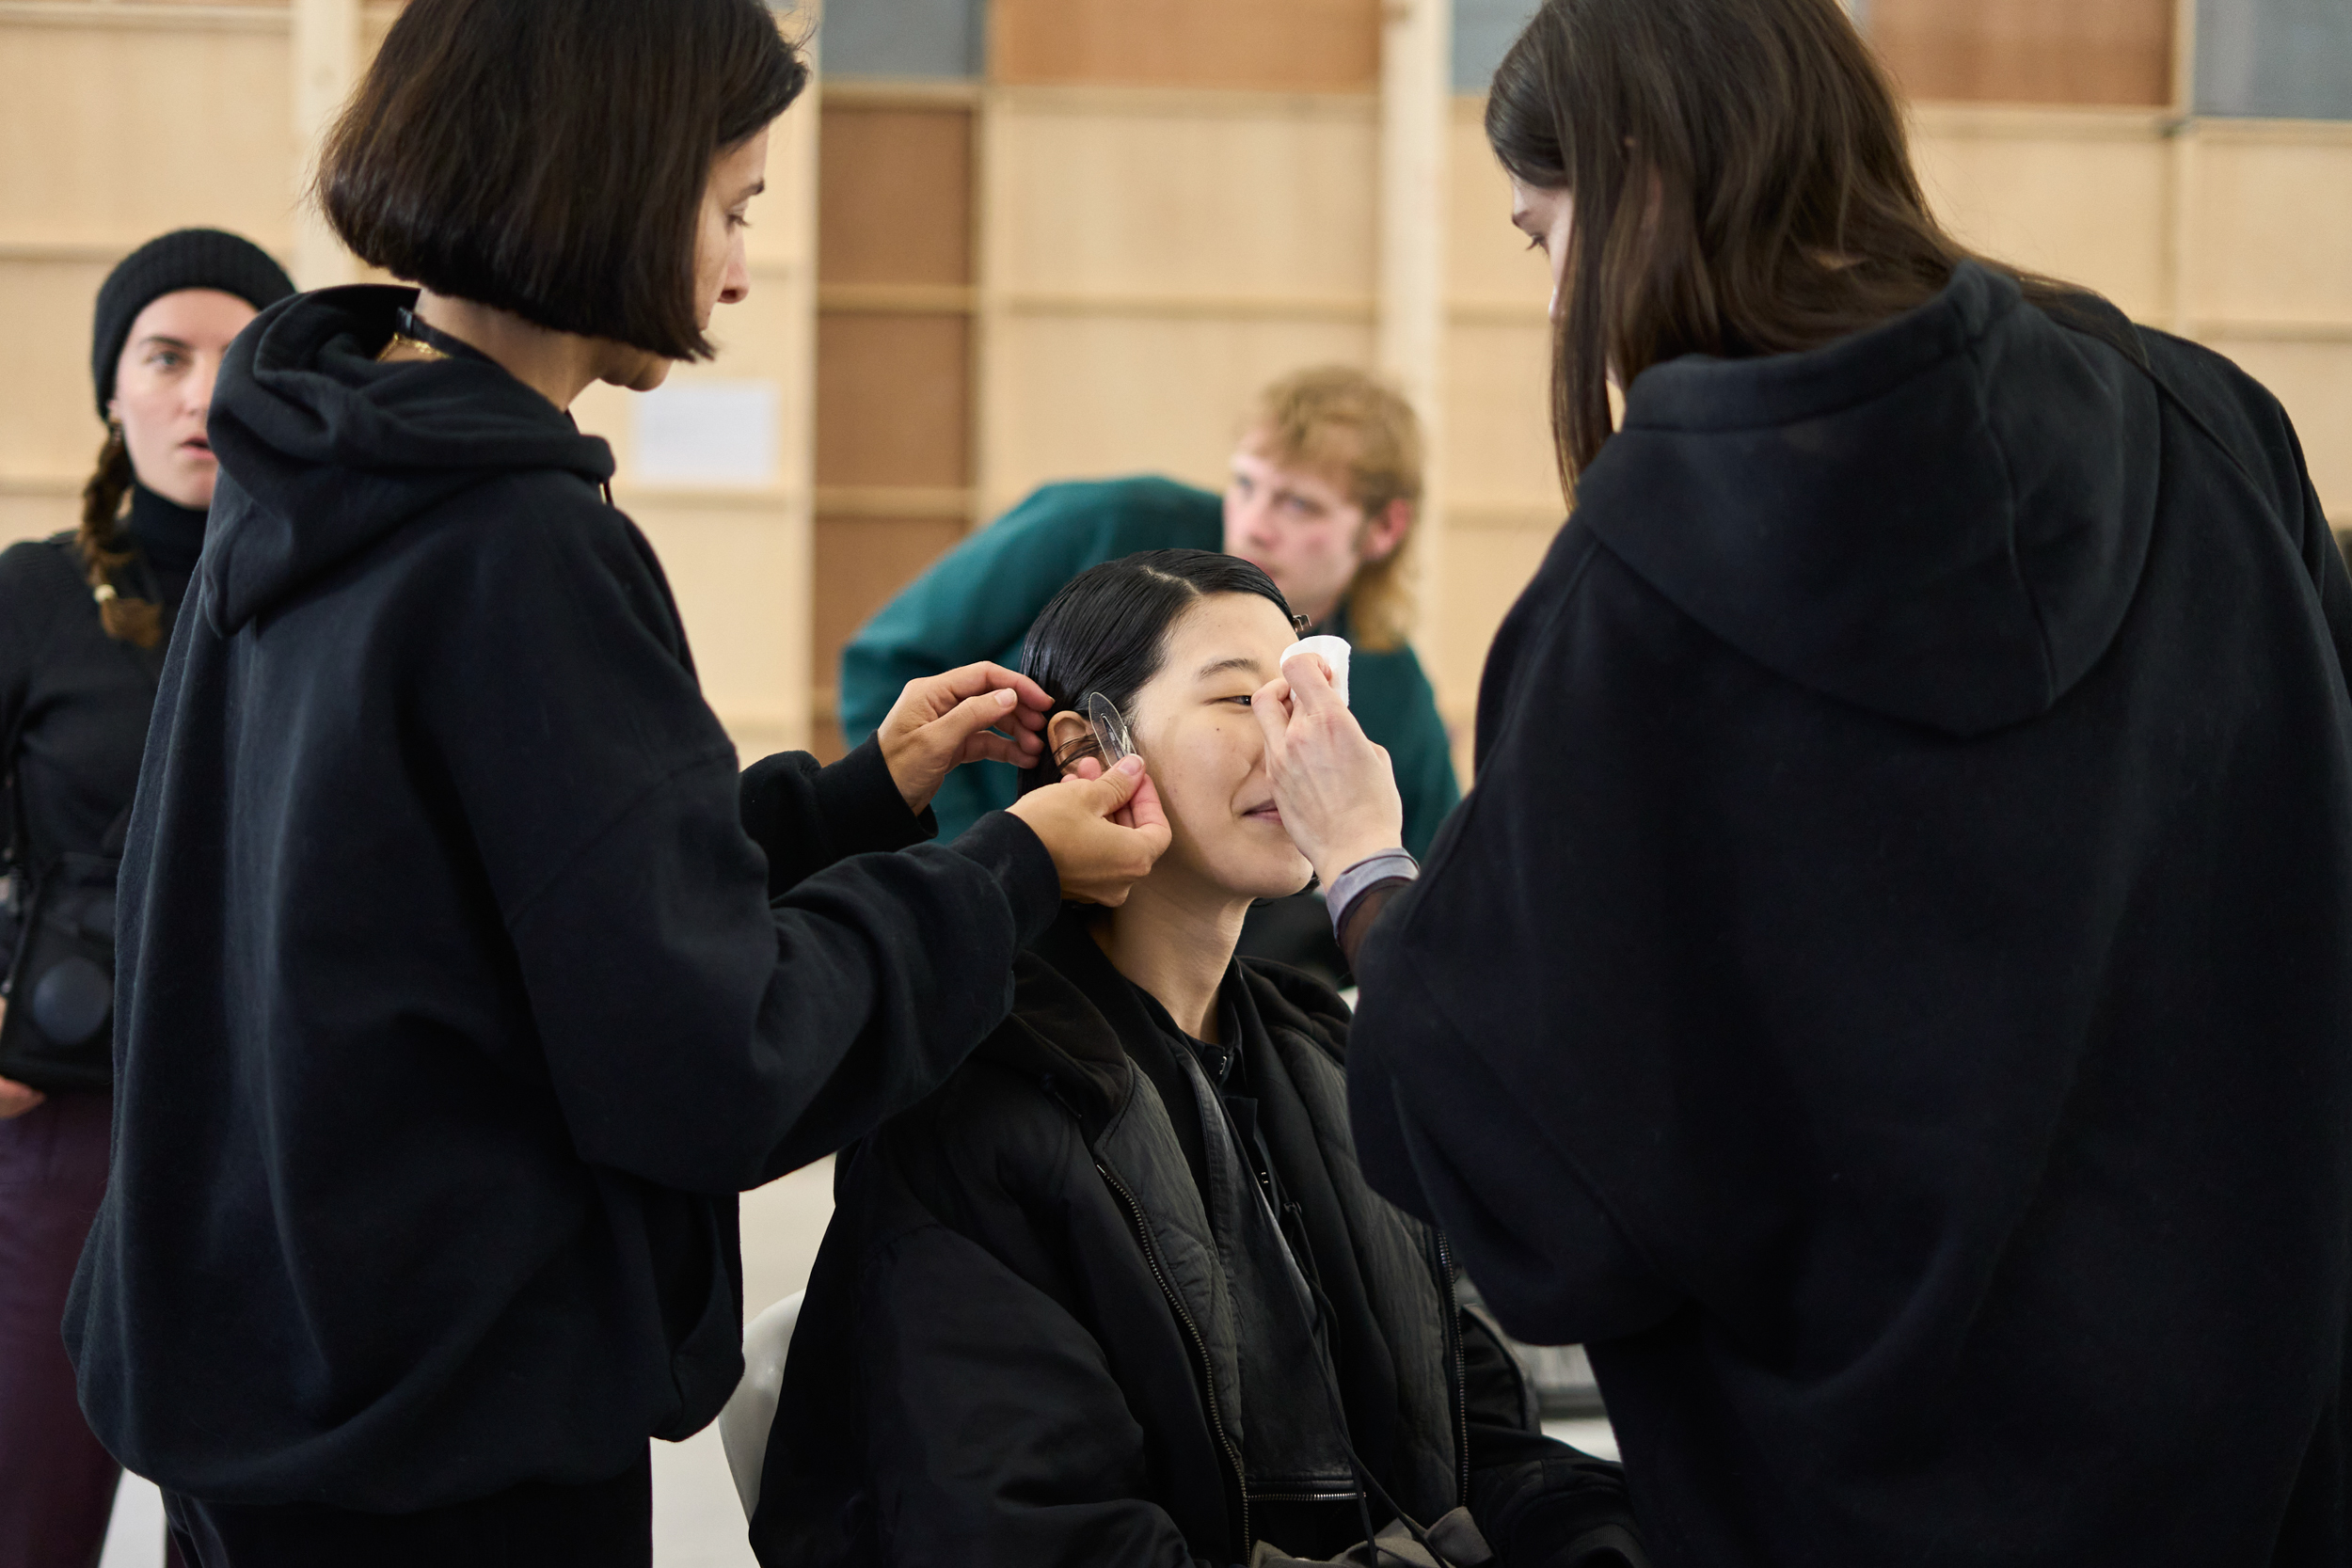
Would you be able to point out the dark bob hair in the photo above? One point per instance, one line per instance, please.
(1107, 631)
(549, 157)
(1743, 186)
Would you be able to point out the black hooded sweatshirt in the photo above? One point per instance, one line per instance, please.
(1890, 992)
(454, 1008)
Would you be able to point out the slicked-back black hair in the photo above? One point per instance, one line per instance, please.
(548, 157)
(1107, 629)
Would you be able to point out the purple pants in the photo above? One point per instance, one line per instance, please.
(56, 1484)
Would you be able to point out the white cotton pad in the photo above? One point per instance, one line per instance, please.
(1333, 651)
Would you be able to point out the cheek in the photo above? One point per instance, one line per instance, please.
(149, 408)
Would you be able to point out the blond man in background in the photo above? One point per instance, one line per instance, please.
(1323, 490)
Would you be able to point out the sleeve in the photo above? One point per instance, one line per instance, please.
(1537, 1501)
(697, 1034)
(974, 603)
(2324, 556)
(804, 817)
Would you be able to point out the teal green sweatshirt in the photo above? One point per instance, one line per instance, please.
(978, 600)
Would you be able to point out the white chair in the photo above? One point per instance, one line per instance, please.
(751, 1410)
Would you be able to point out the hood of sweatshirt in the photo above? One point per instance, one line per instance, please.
(1942, 520)
(324, 450)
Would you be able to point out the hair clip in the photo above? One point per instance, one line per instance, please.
(1111, 737)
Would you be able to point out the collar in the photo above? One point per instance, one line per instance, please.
(171, 535)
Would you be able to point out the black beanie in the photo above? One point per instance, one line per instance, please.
(185, 258)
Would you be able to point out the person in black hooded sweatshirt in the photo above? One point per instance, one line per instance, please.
(1889, 993)
(463, 985)
(83, 618)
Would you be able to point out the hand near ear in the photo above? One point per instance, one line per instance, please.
(1104, 830)
(981, 711)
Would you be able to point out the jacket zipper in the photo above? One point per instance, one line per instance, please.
(1461, 1374)
(1200, 1345)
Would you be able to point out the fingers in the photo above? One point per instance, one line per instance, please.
(1147, 815)
(987, 746)
(1270, 705)
(1311, 690)
(969, 718)
(1114, 789)
(974, 680)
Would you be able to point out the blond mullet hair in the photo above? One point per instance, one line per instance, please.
(1345, 421)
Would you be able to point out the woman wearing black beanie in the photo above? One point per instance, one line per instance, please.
(83, 618)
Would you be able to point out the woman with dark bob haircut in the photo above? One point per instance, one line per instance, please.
(463, 982)
(1890, 991)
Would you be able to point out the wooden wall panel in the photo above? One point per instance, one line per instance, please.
(895, 415)
(894, 195)
(2270, 209)
(48, 427)
(893, 400)
(1281, 45)
(2027, 51)
(1074, 397)
(1498, 463)
(1185, 194)
(2082, 195)
(112, 134)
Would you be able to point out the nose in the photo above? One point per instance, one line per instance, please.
(198, 389)
(738, 286)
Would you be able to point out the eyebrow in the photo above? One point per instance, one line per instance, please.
(167, 341)
(1239, 661)
(757, 187)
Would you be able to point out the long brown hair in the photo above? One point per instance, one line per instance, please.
(1743, 186)
(137, 622)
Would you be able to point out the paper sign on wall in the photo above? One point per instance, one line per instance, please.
(708, 432)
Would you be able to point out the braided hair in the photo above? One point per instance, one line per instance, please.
(105, 552)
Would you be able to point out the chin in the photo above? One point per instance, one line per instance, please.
(651, 374)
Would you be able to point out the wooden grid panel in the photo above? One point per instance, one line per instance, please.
(111, 134)
(2083, 196)
(2269, 226)
(1185, 196)
(1277, 45)
(2115, 51)
(894, 195)
(895, 353)
(893, 400)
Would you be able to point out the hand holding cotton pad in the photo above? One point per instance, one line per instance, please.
(1332, 651)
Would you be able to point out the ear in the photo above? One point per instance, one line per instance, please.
(1384, 530)
(1063, 728)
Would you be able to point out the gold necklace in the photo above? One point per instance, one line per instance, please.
(414, 345)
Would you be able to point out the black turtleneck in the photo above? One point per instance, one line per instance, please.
(170, 536)
(76, 699)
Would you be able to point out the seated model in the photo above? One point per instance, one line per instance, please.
(1116, 1293)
